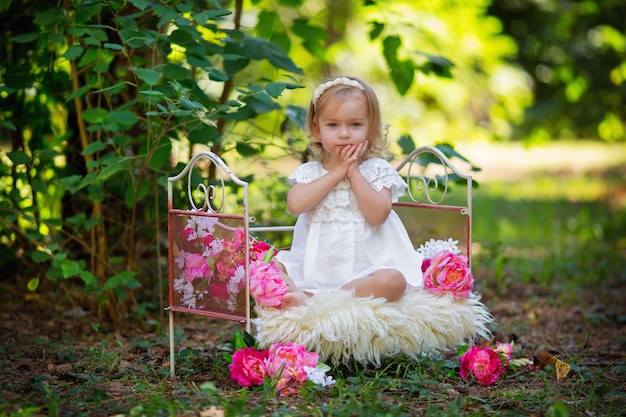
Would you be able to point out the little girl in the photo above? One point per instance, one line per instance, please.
(347, 236)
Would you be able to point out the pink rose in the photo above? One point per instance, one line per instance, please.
(425, 265)
(248, 367)
(448, 272)
(266, 285)
(196, 267)
(259, 249)
(483, 364)
(285, 364)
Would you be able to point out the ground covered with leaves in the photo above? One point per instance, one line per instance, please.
(60, 361)
(556, 289)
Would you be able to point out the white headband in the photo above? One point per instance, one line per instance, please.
(321, 89)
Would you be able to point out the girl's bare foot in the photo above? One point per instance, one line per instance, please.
(294, 299)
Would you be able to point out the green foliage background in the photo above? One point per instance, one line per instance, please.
(101, 101)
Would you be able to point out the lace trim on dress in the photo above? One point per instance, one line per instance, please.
(306, 173)
(341, 204)
(379, 173)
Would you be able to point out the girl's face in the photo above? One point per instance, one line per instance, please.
(341, 123)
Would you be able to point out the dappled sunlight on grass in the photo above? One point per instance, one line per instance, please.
(550, 187)
(562, 229)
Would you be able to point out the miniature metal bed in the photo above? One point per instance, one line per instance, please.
(208, 217)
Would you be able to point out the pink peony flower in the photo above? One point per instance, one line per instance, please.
(248, 367)
(266, 285)
(448, 272)
(196, 266)
(285, 364)
(483, 364)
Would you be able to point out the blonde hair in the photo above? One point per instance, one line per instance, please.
(342, 89)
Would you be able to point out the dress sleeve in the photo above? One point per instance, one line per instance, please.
(305, 173)
(379, 173)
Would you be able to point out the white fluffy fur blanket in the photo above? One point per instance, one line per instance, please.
(339, 326)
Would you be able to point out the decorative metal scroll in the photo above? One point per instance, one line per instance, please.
(428, 172)
(208, 248)
(209, 194)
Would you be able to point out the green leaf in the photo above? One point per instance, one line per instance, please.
(115, 88)
(88, 278)
(122, 279)
(403, 74)
(181, 37)
(149, 76)
(86, 11)
(94, 221)
(113, 46)
(406, 143)
(40, 187)
(257, 48)
(33, 284)
(558, 409)
(376, 30)
(245, 149)
(217, 75)
(77, 219)
(25, 38)
(161, 155)
(437, 59)
(50, 16)
(95, 115)
(140, 4)
(142, 192)
(390, 50)
(39, 256)
(93, 147)
(152, 93)
(297, 114)
(112, 168)
(73, 52)
(18, 157)
(203, 134)
(304, 30)
(70, 268)
(120, 120)
(92, 55)
(266, 22)
(78, 93)
(68, 183)
(176, 72)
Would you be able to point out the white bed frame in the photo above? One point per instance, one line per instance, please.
(203, 188)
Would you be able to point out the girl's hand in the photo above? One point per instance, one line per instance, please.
(357, 155)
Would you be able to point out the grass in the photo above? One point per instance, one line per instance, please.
(548, 240)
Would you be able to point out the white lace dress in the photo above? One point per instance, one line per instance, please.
(334, 244)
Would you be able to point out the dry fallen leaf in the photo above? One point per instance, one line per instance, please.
(212, 412)
(562, 369)
(543, 359)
